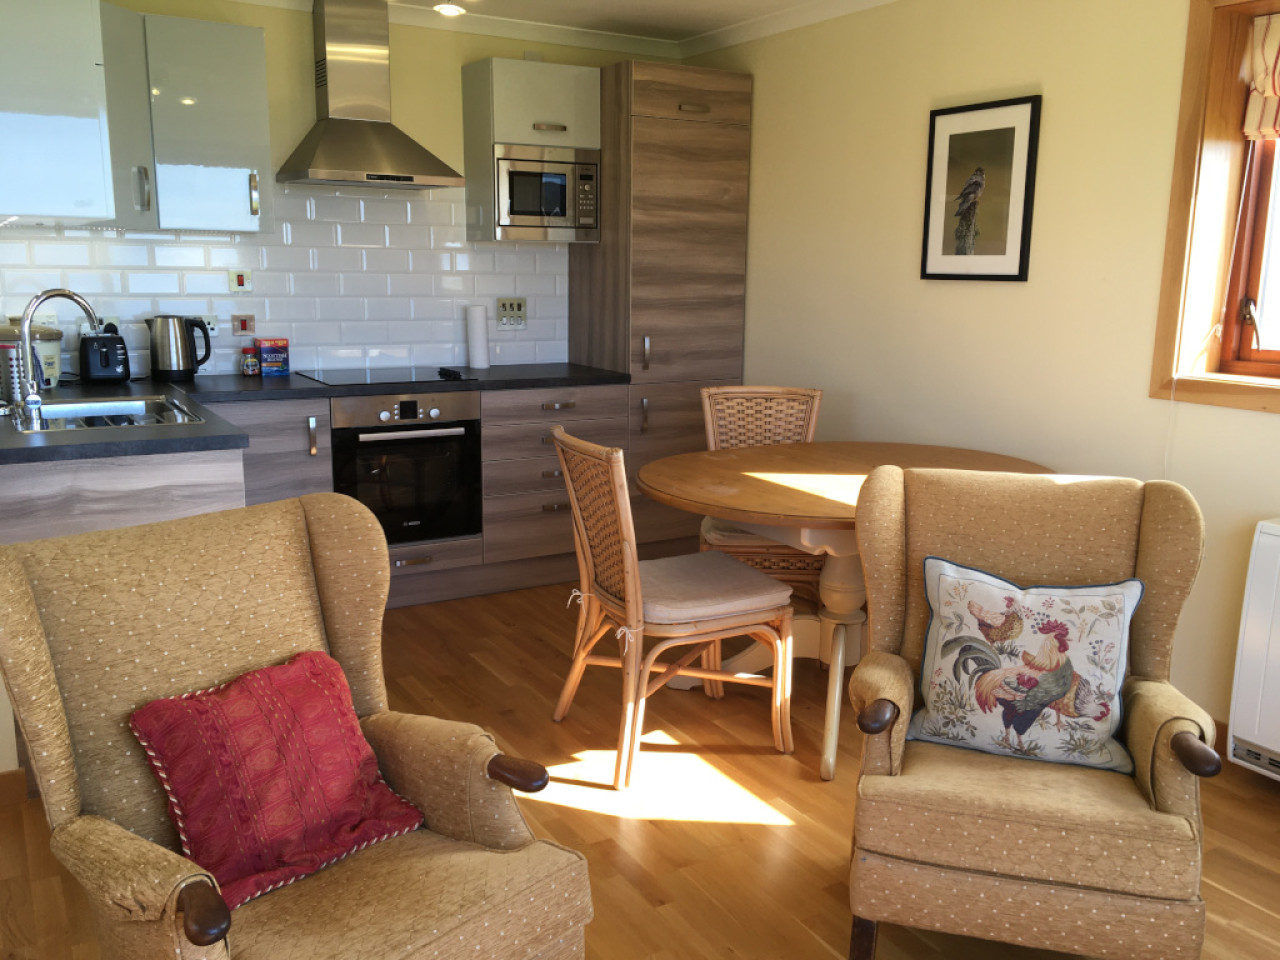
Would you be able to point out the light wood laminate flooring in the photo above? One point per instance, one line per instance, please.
(722, 849)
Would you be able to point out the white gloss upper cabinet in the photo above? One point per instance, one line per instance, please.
(208, 122)
(187, 105)
(54, 147)
(527, 101)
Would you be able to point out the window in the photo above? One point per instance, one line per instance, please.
(1223, 242)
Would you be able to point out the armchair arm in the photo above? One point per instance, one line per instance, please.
(1159, 723)
(451, 772)
(142, 893)
(882, 690)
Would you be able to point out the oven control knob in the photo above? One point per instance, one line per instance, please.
(384, 415)
(434, 413)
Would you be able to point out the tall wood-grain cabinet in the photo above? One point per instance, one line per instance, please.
(662, 296)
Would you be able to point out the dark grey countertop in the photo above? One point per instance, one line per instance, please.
(217, 434)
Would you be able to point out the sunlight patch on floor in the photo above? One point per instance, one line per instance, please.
(665, 785)
(840, 487)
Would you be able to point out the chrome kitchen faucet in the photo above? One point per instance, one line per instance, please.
(29, 363)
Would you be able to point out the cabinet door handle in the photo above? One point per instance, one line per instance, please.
(694, 108)
(413, 561)
(561, 405)
(644, 414)
(311, 434)
(254, 197)
(553, 127)
(143, 203)
(648, 354)
(552, 474)
(554, 507)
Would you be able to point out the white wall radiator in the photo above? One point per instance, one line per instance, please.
(1255, 699)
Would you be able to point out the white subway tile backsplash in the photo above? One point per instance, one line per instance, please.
(362, 235)
(180, 256)
(352, 277)
(364, 284)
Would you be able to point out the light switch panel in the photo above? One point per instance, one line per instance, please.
(512, 313)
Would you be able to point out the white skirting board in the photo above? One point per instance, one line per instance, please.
(1255, 699)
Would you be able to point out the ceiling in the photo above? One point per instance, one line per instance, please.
(675, 28)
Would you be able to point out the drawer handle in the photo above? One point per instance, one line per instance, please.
(414, 561)
(561, 405)
(554, 507)
(552, 474)
(554, 127)
(644, 414)
(648, 353)
(694, 108)
(311, 434)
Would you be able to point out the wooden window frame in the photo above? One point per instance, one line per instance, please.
(1208, 179)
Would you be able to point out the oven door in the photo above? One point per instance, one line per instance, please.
(422, 482)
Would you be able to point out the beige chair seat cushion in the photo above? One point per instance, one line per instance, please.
(1027, 819)
(723, 533)
(705, 586)
(418, 896)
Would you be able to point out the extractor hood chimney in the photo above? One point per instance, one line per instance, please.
(354, 141)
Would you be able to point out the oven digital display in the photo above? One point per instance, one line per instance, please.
(408, 409)
(538, 194)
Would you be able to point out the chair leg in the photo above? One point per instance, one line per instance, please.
(862, 940)
(590, 630)
(782, 681)
(711, 661)
(633, 683)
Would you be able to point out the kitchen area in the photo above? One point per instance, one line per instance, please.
(435, 332)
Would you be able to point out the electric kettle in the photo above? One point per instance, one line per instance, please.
(173, 347)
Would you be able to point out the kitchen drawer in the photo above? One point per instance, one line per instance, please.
(505, 477)
(552, 404)
(527, 525)
(436, 555)
(524, 441)
(666, 419)
(689, 93)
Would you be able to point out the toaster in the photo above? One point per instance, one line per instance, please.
(103, 358)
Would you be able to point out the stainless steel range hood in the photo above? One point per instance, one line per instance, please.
(354, 141)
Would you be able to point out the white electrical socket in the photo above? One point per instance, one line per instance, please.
(512, 313)
(212, 324)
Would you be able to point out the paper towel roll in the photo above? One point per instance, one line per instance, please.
(477, 337)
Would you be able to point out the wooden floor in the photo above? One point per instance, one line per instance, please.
(723, 848)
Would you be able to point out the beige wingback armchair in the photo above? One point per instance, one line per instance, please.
(1057, 856)
(93, 626)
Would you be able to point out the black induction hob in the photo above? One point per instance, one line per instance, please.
(355, 377)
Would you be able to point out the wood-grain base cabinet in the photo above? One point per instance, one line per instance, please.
(289, 447)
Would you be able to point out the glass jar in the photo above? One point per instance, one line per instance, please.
(249, 365)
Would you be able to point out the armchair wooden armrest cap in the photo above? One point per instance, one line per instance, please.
(877, 716)
(526, 776)
(205, 917)
(1197, 756)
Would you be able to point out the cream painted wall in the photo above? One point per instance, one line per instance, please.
(426, 70)
(1055, 369)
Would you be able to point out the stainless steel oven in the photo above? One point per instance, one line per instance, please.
(413, 459)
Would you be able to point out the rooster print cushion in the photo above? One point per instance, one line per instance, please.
(1025, 671)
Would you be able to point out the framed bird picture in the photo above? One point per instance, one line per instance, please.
(979, 190)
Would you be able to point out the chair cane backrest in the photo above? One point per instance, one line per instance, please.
(1032, 530)
(603, 530)
(751, 416)
(95, 625)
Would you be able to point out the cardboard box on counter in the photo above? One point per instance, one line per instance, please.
(273, 355)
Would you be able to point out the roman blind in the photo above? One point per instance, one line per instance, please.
(1262, 112)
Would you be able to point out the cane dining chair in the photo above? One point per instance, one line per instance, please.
(682, 604)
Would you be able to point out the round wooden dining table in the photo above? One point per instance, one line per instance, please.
(806, 495)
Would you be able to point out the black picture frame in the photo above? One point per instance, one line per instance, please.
(980, 152)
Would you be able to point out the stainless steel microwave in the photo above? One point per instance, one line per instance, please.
(542, 193)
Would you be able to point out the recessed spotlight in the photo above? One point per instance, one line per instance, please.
(187, 101)
(449, 9)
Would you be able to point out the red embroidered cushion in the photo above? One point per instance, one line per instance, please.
(269, 777)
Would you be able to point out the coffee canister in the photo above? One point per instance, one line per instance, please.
(48, 341)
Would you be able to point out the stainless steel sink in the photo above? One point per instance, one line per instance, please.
(102, 414)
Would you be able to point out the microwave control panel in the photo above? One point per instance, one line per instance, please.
(586, 183)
